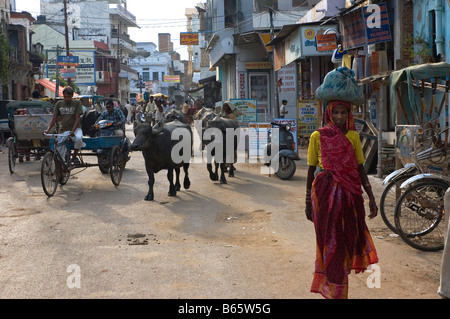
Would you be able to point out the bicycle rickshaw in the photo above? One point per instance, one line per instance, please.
(56, 166)
(27, 120)
(412, 203)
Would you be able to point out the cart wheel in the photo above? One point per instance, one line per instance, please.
(49, 174)
(11, 159)
(103, 163)
(116, 165)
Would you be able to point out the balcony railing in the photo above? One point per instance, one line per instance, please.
(117, 9)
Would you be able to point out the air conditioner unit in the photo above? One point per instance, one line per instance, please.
(100, 75)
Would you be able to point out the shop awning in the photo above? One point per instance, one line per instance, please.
(52, 86)
(207, 80)
(285, 31)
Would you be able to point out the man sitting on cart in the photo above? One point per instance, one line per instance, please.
(68, 111)
(115, 115)
(112, 114)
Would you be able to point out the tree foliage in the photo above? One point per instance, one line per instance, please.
(4, 58)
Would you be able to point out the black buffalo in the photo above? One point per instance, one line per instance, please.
(174, 114)
(201, 119)
(213, 147)
(156, 145)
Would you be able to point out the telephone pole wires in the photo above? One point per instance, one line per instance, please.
(66, 26)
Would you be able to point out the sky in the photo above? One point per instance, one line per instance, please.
(153, 17)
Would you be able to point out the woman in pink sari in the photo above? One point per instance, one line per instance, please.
(334, 202)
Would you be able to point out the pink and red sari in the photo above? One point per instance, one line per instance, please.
(343, 241)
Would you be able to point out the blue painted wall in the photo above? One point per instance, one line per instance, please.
(423, 24)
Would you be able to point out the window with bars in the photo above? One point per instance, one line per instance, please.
(264, 5)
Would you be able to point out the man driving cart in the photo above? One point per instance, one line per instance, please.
(115, 116)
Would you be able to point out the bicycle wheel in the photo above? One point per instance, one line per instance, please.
(389, 197)
(64, 178)
(116, 165)
(49, 174)
(419, 215)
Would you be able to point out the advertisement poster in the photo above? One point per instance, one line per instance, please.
(308, 116)
(258, 134)
(248, 107)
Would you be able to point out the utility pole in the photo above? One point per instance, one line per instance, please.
(69, 81)
(57, 73)
(276, 111)
(118, 60)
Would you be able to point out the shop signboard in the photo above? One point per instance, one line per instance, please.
(369, 25)
(258, 137)
(326, 42)
(171, 78)
(311, 34)
(292, 47)
(70, 60)
(308, 116)
(67, 73)
(249, 108)
(377, 32)
(189, 38)
(85, 70)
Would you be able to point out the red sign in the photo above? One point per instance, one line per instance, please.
(326, 42)
(188, 38)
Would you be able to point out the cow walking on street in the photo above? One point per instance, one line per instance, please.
(158, 147)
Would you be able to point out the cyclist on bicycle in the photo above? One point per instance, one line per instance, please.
(68, 112)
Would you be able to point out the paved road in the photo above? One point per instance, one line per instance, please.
(246, 239)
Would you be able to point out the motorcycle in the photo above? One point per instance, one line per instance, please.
(109, 128)
(142, 117)
(286, 154)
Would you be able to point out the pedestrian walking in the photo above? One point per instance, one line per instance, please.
(283, 111)
(185, 108)
(151, 109)
(335, 203)
(129, 112)
(159, 114)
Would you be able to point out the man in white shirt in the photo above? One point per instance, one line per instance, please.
(130, 110)
(283, 111)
